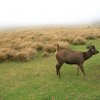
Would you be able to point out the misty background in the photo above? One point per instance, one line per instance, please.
(15, 13)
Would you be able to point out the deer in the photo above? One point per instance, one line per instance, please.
(74, 57)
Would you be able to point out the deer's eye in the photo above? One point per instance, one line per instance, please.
(92, 49)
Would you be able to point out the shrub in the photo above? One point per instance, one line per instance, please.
(49, 48)
(22, 56)
(91, 36)
(79, 41)
(98, 35)
(22, 45)
(2, 56)
(3, 53)
(11, 54)
(63, 44)
(25, 54)
(38, 46)
(68, 39)
(45, 54)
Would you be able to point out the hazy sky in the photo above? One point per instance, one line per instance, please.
(48, 12)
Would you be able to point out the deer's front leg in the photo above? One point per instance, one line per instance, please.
(78, 71)
(82, 69)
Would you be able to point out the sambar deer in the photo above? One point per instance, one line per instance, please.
(73, 57)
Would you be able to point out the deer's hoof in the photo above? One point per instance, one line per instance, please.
(77, 74)
(85, 77)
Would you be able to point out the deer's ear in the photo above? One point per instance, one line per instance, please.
(93, 45)
(88, 47)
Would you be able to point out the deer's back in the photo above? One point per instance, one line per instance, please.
(69, 57)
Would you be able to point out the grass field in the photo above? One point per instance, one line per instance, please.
(37, 79)
(24, 44)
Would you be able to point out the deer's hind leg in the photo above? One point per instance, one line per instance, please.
(58, 66)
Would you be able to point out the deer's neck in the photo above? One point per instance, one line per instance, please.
(87, 55)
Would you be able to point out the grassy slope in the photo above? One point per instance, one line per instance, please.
(37, 80)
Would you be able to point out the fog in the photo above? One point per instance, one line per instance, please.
(48, 12)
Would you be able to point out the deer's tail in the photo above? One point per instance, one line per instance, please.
(57, 47)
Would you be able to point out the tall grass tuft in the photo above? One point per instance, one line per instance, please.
(79, 41)
(38, 46)
(91, 36)
(25, 54)
(45, 54)
(49, 48)
(63, 45)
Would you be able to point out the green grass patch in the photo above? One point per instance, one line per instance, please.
(37, 79)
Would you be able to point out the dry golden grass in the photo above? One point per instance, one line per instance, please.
(79, 40)
(23, 44)
(25, 54)
(38, 46)
(45, 54)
